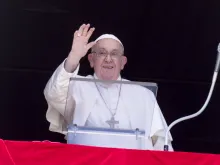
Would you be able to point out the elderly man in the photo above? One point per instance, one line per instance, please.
(97, 104)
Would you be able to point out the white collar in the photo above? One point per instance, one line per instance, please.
(96, 77)
(106, 85)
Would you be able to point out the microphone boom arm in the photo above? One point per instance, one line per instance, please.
(214, 78)
(193, 115)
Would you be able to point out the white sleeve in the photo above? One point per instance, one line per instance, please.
(158, 128)
(55, 94)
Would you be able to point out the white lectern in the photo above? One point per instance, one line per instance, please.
(106, 137)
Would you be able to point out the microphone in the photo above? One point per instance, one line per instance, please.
(214, 78)
(217, 65)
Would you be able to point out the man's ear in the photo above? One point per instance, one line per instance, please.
(90, 58)
(123, 62)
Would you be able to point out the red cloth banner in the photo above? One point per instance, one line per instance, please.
(47, 153)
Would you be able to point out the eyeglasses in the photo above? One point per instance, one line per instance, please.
(104, 54)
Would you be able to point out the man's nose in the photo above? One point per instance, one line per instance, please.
(108, 58)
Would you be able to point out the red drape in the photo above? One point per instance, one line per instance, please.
(40, 153)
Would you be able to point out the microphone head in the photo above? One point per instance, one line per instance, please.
(217, 65)
(218, 48)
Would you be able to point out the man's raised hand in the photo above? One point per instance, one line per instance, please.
(80, 46)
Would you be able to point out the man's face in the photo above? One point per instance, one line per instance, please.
(107, 59)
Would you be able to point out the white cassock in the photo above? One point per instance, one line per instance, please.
(137, 106)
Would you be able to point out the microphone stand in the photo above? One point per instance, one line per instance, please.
(214, 78)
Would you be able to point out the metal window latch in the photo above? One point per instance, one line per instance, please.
(137, 132)
(75, 129)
